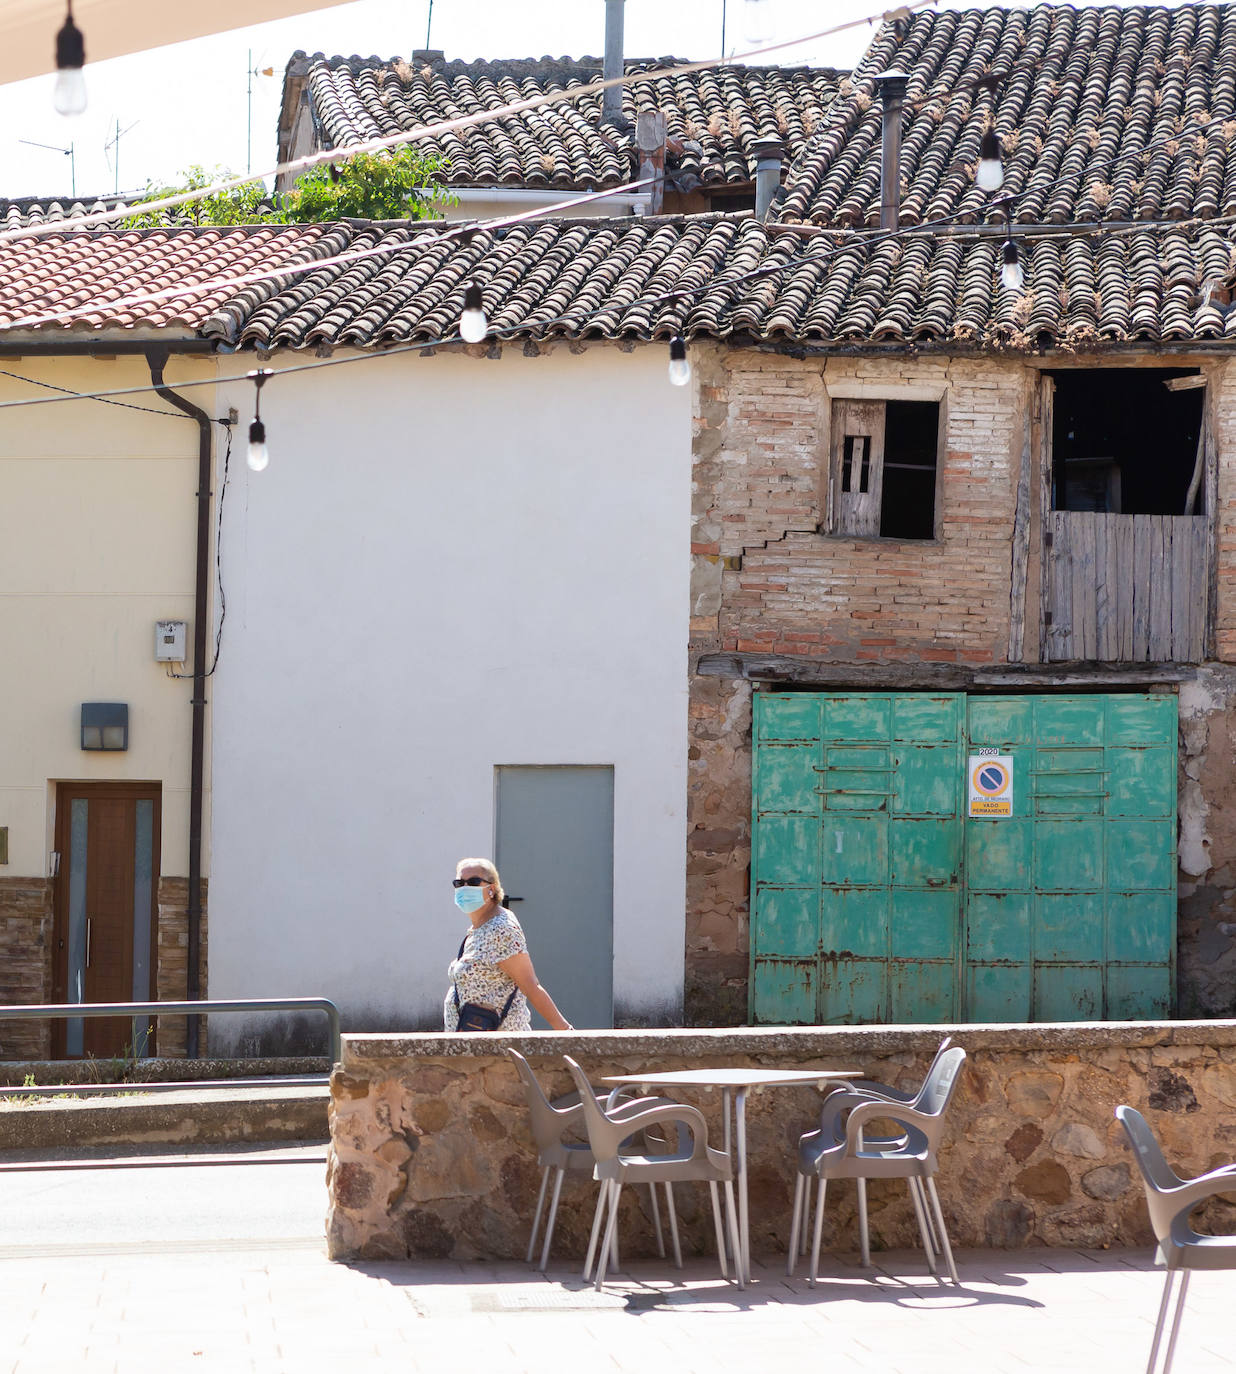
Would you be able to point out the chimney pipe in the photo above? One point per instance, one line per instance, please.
(611, 99)
(769, 152)
(892, 88)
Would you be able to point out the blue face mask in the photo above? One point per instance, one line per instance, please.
(470, 899)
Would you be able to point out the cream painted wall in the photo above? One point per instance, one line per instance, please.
(451, 563)
(97, 531)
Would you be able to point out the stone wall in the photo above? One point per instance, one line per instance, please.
(431, 1155)
(171, 981)
(25, 963)
(26, 977)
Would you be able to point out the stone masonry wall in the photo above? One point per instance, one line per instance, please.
(431, 1155)
(25, 963)
(171, 980)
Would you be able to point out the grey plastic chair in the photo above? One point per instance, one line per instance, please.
(690, 1159)
(857, 1090)
(1170, 1199)
(551, 1122)
(838, 1150)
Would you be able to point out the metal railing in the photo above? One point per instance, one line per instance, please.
(73, 1010)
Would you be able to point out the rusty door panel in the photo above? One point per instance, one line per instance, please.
(880, 843)
(873, 899)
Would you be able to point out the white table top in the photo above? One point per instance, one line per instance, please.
(733, 1078)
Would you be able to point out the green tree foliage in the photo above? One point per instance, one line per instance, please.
(400, 184)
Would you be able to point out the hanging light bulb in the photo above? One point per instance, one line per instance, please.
(759, 21)
(990, 173)
(69, 96)
(473, 326)
(1011, 274)
(679, 367)
(259, 455)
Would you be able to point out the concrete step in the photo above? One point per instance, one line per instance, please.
(189, 1116)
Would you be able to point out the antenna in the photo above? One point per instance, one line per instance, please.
(56, 148)
(429, 25)
(253, 71)
(114, 142)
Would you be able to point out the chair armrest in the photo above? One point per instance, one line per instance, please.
(900, 1112)
(1185, 1198)
(678, 1112)
(848, 1099)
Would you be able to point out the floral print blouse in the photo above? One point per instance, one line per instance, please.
(478, 977)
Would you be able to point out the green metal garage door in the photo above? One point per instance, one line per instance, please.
(875, 897)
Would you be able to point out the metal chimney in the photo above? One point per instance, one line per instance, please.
(892, 88)
(769, 153)
(611, 99)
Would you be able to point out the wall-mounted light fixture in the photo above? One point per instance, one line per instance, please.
(105, 725)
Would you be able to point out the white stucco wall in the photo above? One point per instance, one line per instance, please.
(97, 531)
(451, 563)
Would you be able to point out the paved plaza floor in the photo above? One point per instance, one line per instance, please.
(166, 1269)
(231, 1310)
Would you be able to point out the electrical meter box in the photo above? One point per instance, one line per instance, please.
(170, 637)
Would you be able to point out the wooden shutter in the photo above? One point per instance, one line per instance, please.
(857, 465)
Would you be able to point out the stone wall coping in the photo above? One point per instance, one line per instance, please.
(807, 1042)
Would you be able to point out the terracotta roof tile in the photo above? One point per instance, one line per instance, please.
(596, 278)
(718, 115)
(1082, 86)
(82, 268)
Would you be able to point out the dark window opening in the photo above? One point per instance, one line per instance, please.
(1124, 443)
(857, 449)
(911, 438)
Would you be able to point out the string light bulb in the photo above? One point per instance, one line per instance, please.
(679, 367)
(990, 173)
(69, 96)
(258, 456)
(473, 326)
(1012, 276)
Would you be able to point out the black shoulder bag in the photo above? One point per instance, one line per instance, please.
(473, 1016)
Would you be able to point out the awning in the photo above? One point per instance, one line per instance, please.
(113, 28)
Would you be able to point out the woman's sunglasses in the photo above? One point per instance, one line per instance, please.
(468, 882)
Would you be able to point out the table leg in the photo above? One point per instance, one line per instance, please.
(740, 1146)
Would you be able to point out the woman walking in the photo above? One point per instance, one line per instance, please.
(492, 977)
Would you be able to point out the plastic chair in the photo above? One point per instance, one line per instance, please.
(1170, 1199)
(838, 1150)
(551, 1122)
(691, 1159)
(859, 1090)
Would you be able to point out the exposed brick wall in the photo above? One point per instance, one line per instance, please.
(173, 970)
(764, 580)
(760, 475)
(25, 963)
(1224, 413)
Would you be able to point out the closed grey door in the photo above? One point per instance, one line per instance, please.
(555, 851)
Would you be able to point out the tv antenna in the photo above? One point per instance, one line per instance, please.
(114, 142)
(69, 152)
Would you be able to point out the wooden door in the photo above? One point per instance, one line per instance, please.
(107, 837)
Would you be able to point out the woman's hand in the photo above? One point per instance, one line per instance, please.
(518, 968)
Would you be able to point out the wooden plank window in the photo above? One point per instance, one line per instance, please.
(858, 465)
(883, 468)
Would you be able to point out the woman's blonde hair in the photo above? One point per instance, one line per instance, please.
(491, 874)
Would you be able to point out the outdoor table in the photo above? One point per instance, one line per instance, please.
(737, 1082)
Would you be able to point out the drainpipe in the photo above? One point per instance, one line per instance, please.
(611, 99)
(892, 88)
(156, 358)
(768, 155)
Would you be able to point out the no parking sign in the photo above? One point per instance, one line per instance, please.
(991, 784)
